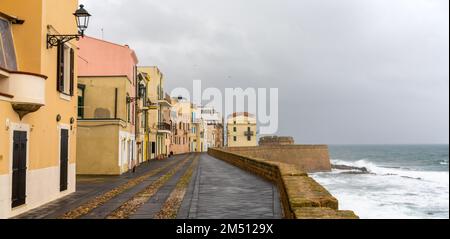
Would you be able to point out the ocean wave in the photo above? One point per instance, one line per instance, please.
(443, 163)
(432, 176)
(388, 192)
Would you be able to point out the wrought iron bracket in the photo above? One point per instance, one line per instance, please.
(57, 40)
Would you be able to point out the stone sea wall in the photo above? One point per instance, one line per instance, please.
(301, 196)
(309, 158)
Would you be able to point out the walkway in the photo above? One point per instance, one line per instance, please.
(184, 186)
(221, 190)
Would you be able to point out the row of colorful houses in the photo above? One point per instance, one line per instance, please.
(86, 107)
(125, 117)
(80, 107)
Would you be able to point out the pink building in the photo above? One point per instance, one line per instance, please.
(109, 134)
(101, 58)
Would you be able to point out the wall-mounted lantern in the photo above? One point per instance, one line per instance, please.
(142, 90)
(82, 18)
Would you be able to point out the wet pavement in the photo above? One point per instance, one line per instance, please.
(219, 190)
(216, 190)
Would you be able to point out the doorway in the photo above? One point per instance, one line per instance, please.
(64, 160)
(19, 168)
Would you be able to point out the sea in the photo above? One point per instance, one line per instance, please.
(390, 181)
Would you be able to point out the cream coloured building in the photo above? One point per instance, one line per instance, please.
(37, 105)
(241, 130)
(180, 116)
(213, 127)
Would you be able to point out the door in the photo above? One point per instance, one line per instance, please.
(19, 168)
(153, 149)
(64, 160)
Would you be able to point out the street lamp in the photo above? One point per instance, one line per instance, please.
(82, 18)
(142, 90)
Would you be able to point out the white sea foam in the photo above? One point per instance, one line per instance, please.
(389, 192)
(432, 176)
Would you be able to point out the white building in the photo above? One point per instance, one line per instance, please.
(212, 121)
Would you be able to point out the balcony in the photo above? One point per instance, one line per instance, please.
(164, 102)
(164, 128)
(26, 91)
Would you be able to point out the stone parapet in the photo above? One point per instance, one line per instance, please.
(310, 158)
(301, 196)
(276, 140)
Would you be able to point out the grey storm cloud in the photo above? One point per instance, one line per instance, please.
(348, 71)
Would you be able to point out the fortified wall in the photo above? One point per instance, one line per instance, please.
(301, 196)
(309, 158)
(276, 140)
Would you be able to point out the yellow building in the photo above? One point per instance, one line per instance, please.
(193, 129)
(200, 128)
(241, 130)
(109, 107)
(37, 106)
(159, 132)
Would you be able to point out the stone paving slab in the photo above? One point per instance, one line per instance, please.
(89, 187)
(216, 190)
(223, 191)
(104, 210)
(149, 209)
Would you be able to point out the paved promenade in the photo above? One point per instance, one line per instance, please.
(213, 189)
(220, 190)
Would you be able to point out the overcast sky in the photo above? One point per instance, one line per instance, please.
(348, 71)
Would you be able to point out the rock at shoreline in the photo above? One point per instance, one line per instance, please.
(355, 170)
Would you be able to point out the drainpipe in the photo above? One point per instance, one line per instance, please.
(115, 103)
(136, 125)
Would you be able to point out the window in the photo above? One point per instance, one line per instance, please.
(234, 129)
(7, 51)
(234, 138)
(132, 115)
(65, 69)
(80, 95)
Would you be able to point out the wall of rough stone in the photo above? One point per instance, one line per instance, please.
(276, 140)
(301, 196)
(309, 158)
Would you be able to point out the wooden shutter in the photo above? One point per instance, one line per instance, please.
(72, 72)
(64, 160)
(60, 69)
(19, 168)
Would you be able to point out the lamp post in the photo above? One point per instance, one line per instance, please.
(82, 18)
